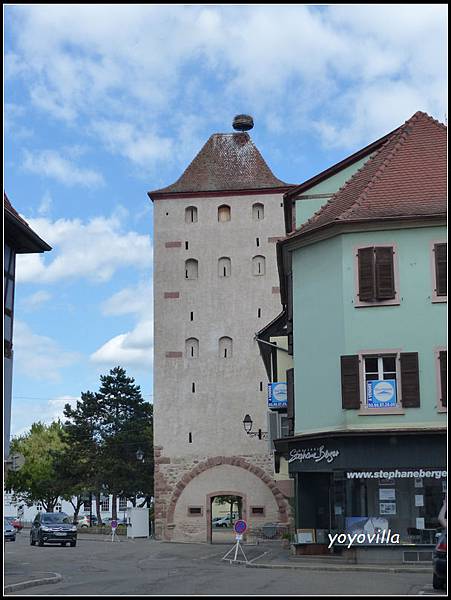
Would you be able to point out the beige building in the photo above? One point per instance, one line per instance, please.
(215, 285)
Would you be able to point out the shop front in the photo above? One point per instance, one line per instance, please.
(367, 489)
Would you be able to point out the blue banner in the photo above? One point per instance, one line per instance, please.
(381, 393)
(277, 395)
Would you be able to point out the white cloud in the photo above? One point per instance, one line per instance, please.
(138, 73)
(51, 164)
(131, 349)
(36, 299)
(39, 357)
(94, 250)
(45, 204)
(30, 410)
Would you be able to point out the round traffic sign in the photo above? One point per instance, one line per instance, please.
(240, 526)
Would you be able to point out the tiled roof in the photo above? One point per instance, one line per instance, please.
(20, 233)
(406, 177)
(227, 162)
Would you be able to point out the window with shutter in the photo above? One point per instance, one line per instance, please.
(350, 382)
(443, 377)
(441, 268)
(290, 400)
(376, 275)
(410, 380)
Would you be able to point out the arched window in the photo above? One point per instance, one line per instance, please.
(223, 213)
(258, 265)
(191, 268)
(192, 348)
(224, 267)
(258, 211)
(191, 214)
(225, 347)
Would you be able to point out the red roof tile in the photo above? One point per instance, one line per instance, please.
(227, 162)
(405, 178)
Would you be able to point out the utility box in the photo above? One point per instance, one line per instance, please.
(137, 522)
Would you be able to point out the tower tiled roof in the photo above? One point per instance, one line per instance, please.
(406, 177)
(227, 162)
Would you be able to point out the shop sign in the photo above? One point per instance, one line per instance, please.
(316, 454)
(381, 393)
(277, 395)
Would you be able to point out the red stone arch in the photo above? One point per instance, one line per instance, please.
(235, 461)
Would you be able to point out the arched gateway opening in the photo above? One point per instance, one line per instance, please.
(224, 509)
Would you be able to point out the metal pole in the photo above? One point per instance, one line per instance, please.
(90, 509)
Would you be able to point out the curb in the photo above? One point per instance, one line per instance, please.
(14, 587)
(364, 568)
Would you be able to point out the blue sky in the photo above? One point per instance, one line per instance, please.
(103, 103)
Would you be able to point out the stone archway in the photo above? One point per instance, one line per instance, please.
(211, 463)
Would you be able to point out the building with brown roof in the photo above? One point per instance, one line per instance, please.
(363, 277)
(215, 283)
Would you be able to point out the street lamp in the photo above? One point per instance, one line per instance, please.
(247, 424)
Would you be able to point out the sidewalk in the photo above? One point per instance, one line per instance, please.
(278, 557)
(16, 580)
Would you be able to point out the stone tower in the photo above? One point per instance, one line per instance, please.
(215, 286)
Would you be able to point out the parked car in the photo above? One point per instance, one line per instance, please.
(53, 528)
(86, 521)
(15, 522)
(9, 532)
(221, 522)
(439, 564)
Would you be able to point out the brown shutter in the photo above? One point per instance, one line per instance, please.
(410, 379)
(385, 275)
(290, 400)
(366, 274)
(290, 312)
(443, 373)
(441, 267)
(350, 382)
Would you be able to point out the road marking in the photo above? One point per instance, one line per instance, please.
(260, 555)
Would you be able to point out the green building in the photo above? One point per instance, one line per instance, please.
(363, 274)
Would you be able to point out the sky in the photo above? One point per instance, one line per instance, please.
(103, 103)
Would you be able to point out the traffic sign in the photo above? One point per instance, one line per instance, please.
(240, 526)
(113, 524)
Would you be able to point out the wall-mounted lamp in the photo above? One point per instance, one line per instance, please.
(247, 424)
(140, 455)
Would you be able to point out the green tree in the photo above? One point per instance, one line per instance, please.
(38, 481)
(79, 465)
(126, 426)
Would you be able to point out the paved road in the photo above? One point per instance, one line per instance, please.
(144, 567)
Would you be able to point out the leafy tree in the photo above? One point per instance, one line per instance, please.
(38, 481)
(126, 426)
(231, 501)
(78, 466)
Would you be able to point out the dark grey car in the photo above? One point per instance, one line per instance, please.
(9, 532)
(53, 528)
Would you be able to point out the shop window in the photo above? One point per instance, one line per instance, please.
(258, 265)
(440, 272)
(191, 268)
(224, 213)
(191, 214)
(376, 276)
(225, 347)
(258, 211)
(192, 348)
(224, 267)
